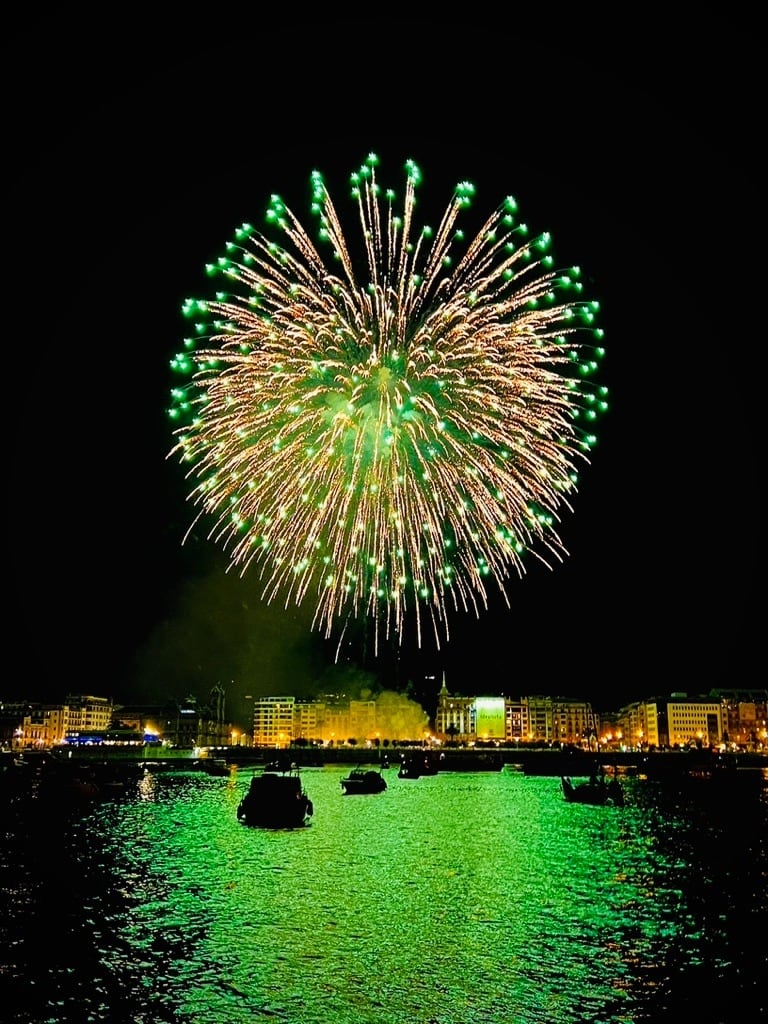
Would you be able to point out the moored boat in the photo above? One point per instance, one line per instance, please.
(276, 800)
(419, 763)
(363, 780)
(596, 791)
(471, 761)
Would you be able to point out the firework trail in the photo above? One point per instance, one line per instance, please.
(390, 434)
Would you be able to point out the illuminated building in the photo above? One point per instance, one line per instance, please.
(273, 721)
(534, 719)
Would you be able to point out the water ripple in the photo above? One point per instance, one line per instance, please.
(451, 899)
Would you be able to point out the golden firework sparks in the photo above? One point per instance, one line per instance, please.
(396, 436)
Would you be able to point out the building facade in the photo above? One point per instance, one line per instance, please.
(735, 719)
(273, 721)
(535, 719)
(720, 719)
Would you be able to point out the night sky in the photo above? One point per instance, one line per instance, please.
(132, 160)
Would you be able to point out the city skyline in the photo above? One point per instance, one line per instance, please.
(656, 585)
(729, 721)
(401, 706)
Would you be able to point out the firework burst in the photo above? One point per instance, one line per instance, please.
(388, 436)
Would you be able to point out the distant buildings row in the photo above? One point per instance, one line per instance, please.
(89, 720)
(723, 718)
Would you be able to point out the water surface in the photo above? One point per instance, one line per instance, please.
(458, 898)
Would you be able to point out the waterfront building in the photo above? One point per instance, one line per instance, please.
(674, 721)
(279, 721)
(724, 718)
(490, 719)
(610, 732)
(540, 724)
(689, 721)
(308, 718)
(574, 722)
(147, 719)
(362, 719)
(335, 722)
(185, 724)
(516, 715)
(745, 717)
(87, 713)
(43, 726)
(273, 719)
(324, 719)
(455, 719)
(11, 716)
(192, 723)
(535, 719)
(638, 725)
(336, 719)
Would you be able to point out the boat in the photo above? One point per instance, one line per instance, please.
(471, 761)
(276, 800)
(596, 791)
(363, 780)
(415, 765)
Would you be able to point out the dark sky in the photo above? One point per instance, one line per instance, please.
(132, 158)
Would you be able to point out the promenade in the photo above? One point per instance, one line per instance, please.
(532, 761)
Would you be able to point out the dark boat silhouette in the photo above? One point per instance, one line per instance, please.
(596, 791)
(276, 800)
(414, 765)
(363, 780)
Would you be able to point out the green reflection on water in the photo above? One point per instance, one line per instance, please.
(453, 898)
